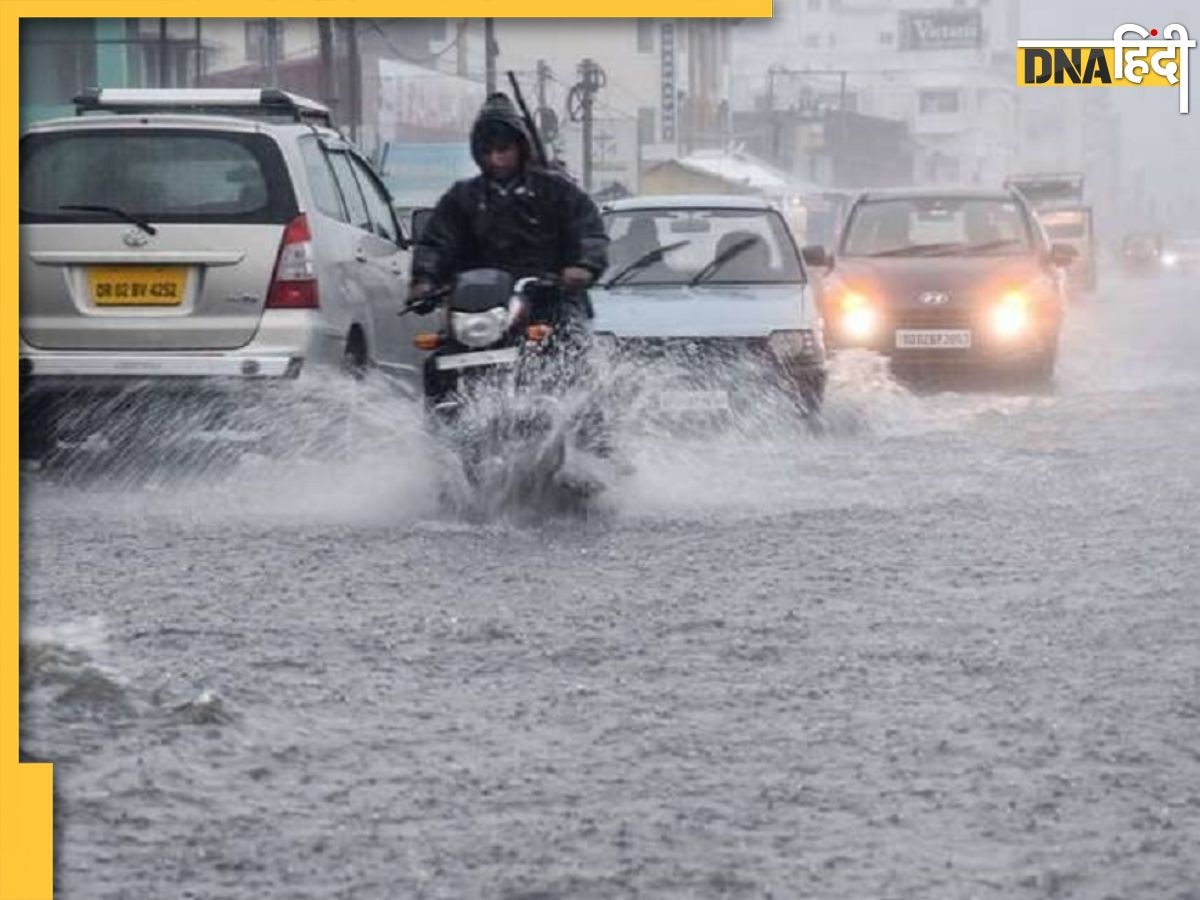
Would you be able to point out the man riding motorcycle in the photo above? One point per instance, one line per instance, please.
(513, 216)
(530, 222)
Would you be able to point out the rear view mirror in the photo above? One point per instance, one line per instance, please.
(690, 226)
(1062, 255)
(817, 257)
(420, 219)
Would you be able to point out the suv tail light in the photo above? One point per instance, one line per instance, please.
(294, 285)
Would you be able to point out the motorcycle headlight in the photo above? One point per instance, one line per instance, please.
(1170, 259)
(479, 329)
(859, 318)
(798, 344)
(1010, 316)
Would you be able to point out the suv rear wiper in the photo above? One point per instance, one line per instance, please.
(112, 210)
(646, 259)
(723, 257)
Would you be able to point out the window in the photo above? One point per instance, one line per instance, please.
(983, 227)
(256, 40)
(831, 38)
(320, 180)
(812, 41)
(696, 236)
(941, 100)
(645, 35)
(359, 217)
(887, 38)
(646, 123)
(814, 5)
(379, 206)
(58, 59)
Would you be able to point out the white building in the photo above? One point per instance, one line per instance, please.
(944, 67)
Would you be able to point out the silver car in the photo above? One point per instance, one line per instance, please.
(185, 236)
(715, 287)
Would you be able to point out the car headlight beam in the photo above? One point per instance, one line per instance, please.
(1010, 317)
(859, 318)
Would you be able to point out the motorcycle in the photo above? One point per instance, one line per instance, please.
(507, 386)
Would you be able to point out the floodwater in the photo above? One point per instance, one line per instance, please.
(950, 647)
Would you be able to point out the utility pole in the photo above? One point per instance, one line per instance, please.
(547, 120)
(489, 50)
(198, 76)
(579, 107)
(460, 47)
(354, 67)
(163, 67)
(772, 119)
(272, 52)
(543, 75)
(325, 61)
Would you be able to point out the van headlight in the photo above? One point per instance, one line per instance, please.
(479, 329)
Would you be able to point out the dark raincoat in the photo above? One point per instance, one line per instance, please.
(540, 222)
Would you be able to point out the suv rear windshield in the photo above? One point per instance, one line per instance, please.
(168, 175)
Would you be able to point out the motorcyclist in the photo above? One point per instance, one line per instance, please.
(514, 216)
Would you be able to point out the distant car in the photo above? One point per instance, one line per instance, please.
(1141, 253)
(187, 237)
(1182, 255)
(946, 279)
(709, 283)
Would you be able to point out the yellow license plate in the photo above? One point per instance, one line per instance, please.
(137, 285)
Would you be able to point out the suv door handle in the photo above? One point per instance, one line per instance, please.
(360, 253)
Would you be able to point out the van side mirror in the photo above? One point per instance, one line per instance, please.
(1062, 255)
(817, 257)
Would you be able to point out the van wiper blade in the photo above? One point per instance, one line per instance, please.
(112, 210)
(646, 259)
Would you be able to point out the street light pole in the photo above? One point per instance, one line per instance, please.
(489, 50)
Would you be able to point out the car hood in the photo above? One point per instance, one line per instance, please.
(703, 311)
(902, 282)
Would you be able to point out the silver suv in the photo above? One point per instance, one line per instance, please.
(181, 236)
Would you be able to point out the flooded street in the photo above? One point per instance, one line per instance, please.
(948, 648)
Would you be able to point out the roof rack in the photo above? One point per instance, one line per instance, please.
(1047, 187)
(243, 102)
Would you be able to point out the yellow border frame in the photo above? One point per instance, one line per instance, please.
(26, 790)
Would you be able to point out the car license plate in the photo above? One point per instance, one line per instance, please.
(137, 285)
(933, 339)
(501, 357)
(691, 402)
